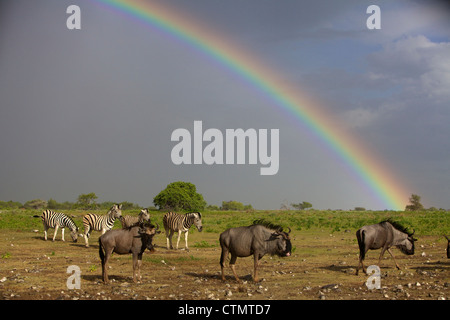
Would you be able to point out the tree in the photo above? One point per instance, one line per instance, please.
(35, 204)
(415, 204)
(302, 206)
(235, 205)
(10, 205)
(87, 201)
(180, 196)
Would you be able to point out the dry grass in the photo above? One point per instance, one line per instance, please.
(322, 267)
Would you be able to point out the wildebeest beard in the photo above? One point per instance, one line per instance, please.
(405, 250)
(287, 252)
(274, 250)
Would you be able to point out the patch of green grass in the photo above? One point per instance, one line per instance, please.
(424, 222)
(204, 244)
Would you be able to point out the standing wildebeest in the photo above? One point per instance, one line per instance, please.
(100, 223)
(448, 247)
(133, 240)
(384, 235)
(258, 239)
(130, 221)
(181, 223)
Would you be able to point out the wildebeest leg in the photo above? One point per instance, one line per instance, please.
(105, 266)
(137, 260)
(139, 267)
(232, 266)
(54, 234)
(381, 255)
(223, 256)
(394, 259)
(360, 235)
(255, 267)
(360, 263)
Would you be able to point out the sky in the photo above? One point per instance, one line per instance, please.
(93, 110)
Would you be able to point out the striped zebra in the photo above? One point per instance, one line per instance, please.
(56, 220)
(130, 221)
(100, 223)
(180, 223)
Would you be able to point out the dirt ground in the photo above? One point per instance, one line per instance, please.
(322, 267)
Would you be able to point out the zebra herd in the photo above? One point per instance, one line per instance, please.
(173, 222)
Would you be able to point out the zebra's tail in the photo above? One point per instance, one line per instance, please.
(362, 248)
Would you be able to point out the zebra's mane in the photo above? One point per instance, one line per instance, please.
(192, 213)
(268, 225)
(398, 226)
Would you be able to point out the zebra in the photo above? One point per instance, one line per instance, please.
(180, 223)
(100, 223)
(130, 221)
(56, 220)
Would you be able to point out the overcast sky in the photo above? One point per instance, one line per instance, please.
(92, 110)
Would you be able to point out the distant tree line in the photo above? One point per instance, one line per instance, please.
(177, 196)
(84, 202)
(231, 206)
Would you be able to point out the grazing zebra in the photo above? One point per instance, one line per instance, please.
(180, 223)
(100, 223)
(57, 220)
(131, 221)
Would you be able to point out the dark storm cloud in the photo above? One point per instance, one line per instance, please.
(93, 110)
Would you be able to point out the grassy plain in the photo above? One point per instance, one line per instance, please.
(322, 266)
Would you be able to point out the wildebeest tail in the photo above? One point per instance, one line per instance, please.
(100, 250)
(361, 238)
(224, 246)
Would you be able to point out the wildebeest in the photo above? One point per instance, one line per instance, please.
(130, 221)
(383, 236)
(448, 247)
(258, 239)
(133, 240)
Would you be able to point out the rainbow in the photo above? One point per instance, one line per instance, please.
(364, 166)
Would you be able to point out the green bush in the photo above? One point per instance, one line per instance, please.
(180, 196)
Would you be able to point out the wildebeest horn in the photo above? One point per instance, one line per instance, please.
(289, 230)
(414, 230)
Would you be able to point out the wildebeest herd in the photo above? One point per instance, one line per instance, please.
(259, 239)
